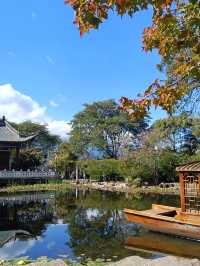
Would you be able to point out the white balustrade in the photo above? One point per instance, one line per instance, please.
(5, 174)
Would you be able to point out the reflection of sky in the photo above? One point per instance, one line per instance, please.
(92, 213)
(53, 243)
(16, 248)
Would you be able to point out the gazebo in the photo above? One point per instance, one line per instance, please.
(189, 180)
(184, 221)
(10, 144)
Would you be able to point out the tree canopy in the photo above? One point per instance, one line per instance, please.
(177, 134)
(105, 144)
(43, 143)
(102, 128)
(174, 33)
(64, 160)
(30, 159)
(44, 140)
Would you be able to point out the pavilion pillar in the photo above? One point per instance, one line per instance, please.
(17, 158)
(182, 191)
(10, 161)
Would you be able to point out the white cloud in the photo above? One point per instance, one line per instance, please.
(11, 54)
(33, 15)
(61, 128)
(18, 107)
(50, 60)
(61, 98)
(16, 248)
(52, 103)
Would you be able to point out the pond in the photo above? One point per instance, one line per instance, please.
(81, 224)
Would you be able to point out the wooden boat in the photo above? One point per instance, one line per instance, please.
(184, 221)
(166, 219)
(156, 243)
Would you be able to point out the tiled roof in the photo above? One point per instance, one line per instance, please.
(189, 167)
(9, 133)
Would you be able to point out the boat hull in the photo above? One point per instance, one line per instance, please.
(158, 222)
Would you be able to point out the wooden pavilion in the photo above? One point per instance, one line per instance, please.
(184, 221)
(189, 180)
(10, 144)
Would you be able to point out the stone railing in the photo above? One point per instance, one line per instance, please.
(27, 174)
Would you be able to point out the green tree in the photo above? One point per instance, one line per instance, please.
(30, 159)
(176, 133)
(64, 160)
(44, 140)
(107, 169)
(103, 129)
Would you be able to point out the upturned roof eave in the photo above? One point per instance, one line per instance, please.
(193, 166)
(21, 140)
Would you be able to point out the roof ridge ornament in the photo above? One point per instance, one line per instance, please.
(3, 121)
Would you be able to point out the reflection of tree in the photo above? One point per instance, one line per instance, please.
(113, 200)
(96, 222)
(95, 219)
(103, 232)
(65, 205)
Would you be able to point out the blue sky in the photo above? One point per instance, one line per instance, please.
(43, 56)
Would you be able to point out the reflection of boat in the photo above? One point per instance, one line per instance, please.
(184, 221)
(164, 244)
(6, 236)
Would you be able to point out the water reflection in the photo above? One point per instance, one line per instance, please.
(74, 225)
(163, 244)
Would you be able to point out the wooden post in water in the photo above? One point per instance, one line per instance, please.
(84, 175)
(77, 172)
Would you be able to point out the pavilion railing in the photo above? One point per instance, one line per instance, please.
(5, 174)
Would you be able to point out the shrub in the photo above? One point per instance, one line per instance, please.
(103, 170)
(29, 159)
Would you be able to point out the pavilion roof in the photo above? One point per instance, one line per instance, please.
(9, 134)
(189, 167)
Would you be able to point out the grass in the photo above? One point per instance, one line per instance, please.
(64, 186)
(59, 185)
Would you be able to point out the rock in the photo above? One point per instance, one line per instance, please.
(57, 262)
(163, 261)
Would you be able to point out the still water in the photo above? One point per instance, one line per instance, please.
(80, 224)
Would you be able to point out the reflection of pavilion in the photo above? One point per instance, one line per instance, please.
(6, 236)
(10, 144)
(25, 198)
(29, 213)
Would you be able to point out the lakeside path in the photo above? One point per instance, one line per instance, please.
(101, 186)
(129, 261)
(164, 261)
(127, 188)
